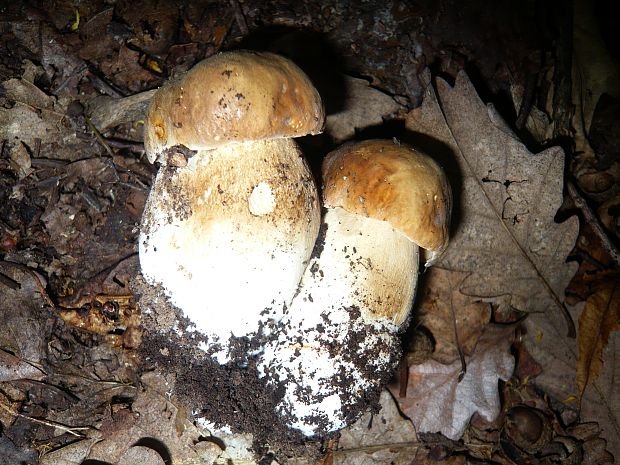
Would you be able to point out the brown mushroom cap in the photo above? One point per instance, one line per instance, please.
(392, 182)
(233, 97)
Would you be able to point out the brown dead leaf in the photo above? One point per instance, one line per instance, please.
(506, 246)
(599, 318)
(557, 355)
(506, 239)
(125, 71)
(595, 72)
(363, 106)
(443, 308)
(148, 430)
(33, 121)
(31, 116)
(20, 313)
(20, 161)
(437, 401)
(385, 437)
(13, 368)
(595, 268)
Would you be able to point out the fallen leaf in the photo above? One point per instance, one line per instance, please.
(30, 117)
(506, 199)
(20, 312)
(595, 72)
(384, 437)
(437, 401)
(148, 430)
(596, 267)
(21, 163)
(557, 354)
(599, 318)
(444, 309)
(363, 106)
(25, 92)
(538, 123)
(13, 454)
(506, 247)
(13, 368)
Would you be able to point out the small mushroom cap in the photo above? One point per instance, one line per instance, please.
(233, 97)
(392, 182)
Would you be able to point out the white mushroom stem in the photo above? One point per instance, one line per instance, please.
(338, 341)
(229, 235)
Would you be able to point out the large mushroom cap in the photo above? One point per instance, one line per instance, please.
(233, 97)
(392, 182)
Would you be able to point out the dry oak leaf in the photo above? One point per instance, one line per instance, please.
(506, 240)
(444, 311)
(436, 401)
(384, 437)
(546, 341)
(599, 318)
(506, 198)
(363, 106)
(153, 428)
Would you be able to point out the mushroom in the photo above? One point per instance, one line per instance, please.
(338, 343)
(233, 213)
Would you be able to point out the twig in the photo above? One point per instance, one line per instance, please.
(458, 343)
(527, 101)
(102, 85)
(76, 75)
(73, 430)
(99, 137)
(593, 221)
(9, 282)
(240, 17)
(125, 144)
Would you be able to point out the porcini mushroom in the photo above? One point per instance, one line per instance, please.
(338, 342)
(227, 231)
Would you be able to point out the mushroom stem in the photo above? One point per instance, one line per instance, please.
(364, 263)
(228, 236)
(338, 341)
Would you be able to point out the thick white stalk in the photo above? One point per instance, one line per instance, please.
(229, 235)
(338, 342)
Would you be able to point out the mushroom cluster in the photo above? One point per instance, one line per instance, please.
(338, 343)
(232, 221)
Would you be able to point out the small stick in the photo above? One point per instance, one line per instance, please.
(10, 283)
(593, 221)
(102, 85)
(527, 101)
(403, 376)
(99, 137)
(240, 17)
(74, 431)
(125, 144)
(458, 344)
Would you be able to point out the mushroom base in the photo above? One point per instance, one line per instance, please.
(232, 395)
